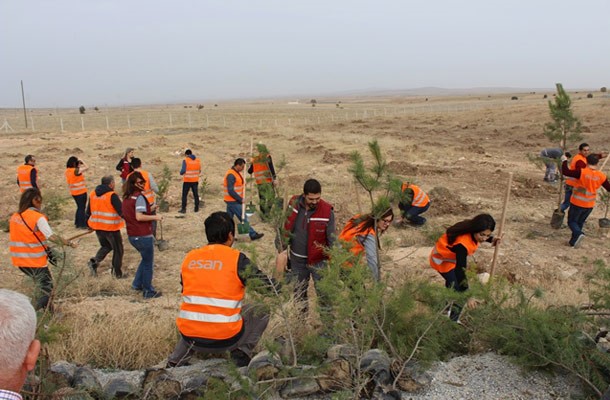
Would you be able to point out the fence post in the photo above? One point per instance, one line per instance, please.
(288, 121)
(128, 121)
(207, 121)
(107, 123)
(32, 123)
(147, 121)
(82, 124)
(61, 124)
(171, 125)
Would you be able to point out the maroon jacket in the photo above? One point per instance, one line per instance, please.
(316, 228)
(135, 227)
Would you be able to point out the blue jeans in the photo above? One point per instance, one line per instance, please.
(411, 213)
(143, 279)
(566, 200)
(576, 220)
(234, 208)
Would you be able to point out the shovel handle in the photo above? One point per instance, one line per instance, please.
(80, 235)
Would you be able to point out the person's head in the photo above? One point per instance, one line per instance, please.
(108, 180)
(480, 227)
(312, 193)
(134, 183)
(239, 164)
(584, 149)
(18, 348)
(72, 162)
(129, 152)
(30, 198)
(365, 222)
(188, 152)
(592, 159)
(136, 163)
(384, 222)
(30, 160)
(220, 228)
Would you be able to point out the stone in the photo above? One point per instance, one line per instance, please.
(337, 375)
(566, 273)
(265, 365)
(300, 387)
(121, 389)
(85, 378)
(61, 374)
(344, 351)
(377, 363)
(158, 384)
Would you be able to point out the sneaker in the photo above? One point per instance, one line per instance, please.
(152, 295)
(579, 240)
(256, 236)
(92, 264)
(182, 211)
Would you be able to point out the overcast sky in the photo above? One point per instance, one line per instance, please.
(118, 52)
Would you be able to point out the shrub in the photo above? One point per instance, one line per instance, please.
(603, 89)
(514, 98)
(81, 109)
(590, 96)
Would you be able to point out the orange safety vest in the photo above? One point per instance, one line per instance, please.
(103, 215)
(212, 293)
(193, 169)
(420, 198)
(76, 183)
(261, 170)
(571, 181)
(585, 192)
(443, 259)
(238, 187)
(350, 232)
(26, 250)
(24, 176)
(147, 192)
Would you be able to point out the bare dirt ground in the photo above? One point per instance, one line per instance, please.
(466, 145)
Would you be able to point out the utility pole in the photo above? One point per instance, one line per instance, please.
(25, 116)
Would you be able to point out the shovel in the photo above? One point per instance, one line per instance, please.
(243, 228)
(162, 244)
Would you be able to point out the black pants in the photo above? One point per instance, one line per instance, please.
(186, 186)
(111, 241)
(44, 284)
(80, 219)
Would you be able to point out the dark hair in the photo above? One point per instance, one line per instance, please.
(129, 187)
(218, 226)
(312, 186)
(107, 180)
(72, 162)
(239, 161)
(582, 146)
(136, 163)
(364, 222)
(478, 224)
(27, 198)
(592, 159)
(28, 158)
(188, 152)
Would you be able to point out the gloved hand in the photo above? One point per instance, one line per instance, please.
(564, 158)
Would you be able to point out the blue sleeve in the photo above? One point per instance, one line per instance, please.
(183, 169)
(231, 189)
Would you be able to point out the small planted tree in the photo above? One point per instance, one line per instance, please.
(81, 109)
(166, 177)
(564, 129)
(604, 201)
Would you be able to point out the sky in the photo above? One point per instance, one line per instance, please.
(121, 52)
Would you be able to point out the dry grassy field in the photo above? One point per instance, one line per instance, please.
(466, 145)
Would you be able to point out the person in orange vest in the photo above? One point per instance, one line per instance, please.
(213, 318)
(105, 217)
(139, 217)
(579, 161)
(19, 347)
(29, 236)
(588, 180)
(27, 174)
(414, 202)
(309, 230)
(263, 172)
(234, 188)
(190, 171)
(360, 236)
(450, 253)
(78, 189)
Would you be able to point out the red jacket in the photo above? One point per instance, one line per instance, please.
(316, 228)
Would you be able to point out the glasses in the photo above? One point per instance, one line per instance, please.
(140, 181)
(387, 220)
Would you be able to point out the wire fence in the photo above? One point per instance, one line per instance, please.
(64, 120)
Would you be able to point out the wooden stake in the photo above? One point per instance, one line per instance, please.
(501, 230)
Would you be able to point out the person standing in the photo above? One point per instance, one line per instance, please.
(124, 165)
(550, 157)
(105, 217)
(450, 253)
(139, 217)
(361, 236)
(263, 171)
(588, 180)
(310, 230)
(78, 189)
(150, 186)
(19, 348)
(234, 189)
(29, 233)
(27, 174)
(212, 318)
(414, 202)
(579, 161)
(190, 171)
